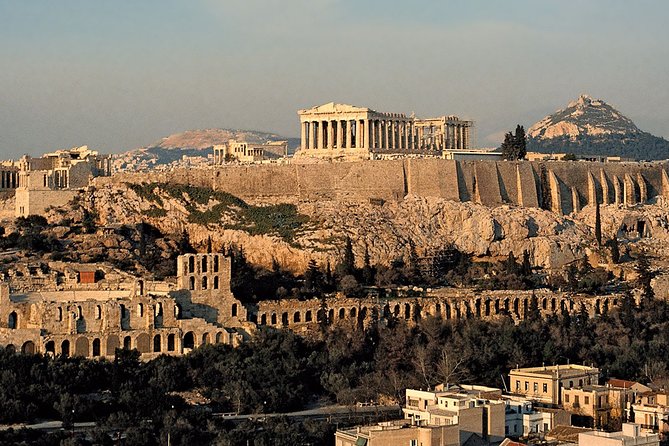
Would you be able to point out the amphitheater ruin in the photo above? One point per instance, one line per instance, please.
(91, 310)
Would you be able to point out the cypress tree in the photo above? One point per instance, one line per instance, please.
(598, 225)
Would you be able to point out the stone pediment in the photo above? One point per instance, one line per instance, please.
(332, 107)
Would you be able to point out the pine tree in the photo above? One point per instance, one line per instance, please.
(545, 189)
(598, 225)
(645, 277)
(526, 267)
(209, 247)
(184, 246)
(507, 148)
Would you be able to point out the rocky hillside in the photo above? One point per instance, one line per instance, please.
(194, 144)
(293, 234)
(592, 127)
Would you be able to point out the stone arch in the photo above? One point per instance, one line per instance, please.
(96, 347)
(396, 310)
(191, 264)
(331, 315)
(81, 346)
(204, 264)
(158, 310)
(363, 314)
(525, 307)
(157, 343)
(597, 309)
(407, 311)
(13, 320)
(263, 319)
(477, 307)
(487, 307)
(297, 317)
(140, 310)
(98, 312)
(171, 342)
(127, 343)
(447, 311)
(458, 312)
(191, 283)
(506, 304)
(206, 339)
(496, 306)
(308, 316)
(216, 282)
(143, 343)
(273, 319)
(353, 312)
(342, 313)
(233, 310)
(544, 303)
(205, 282)
(50, 348)
(284, 318)
(112, 344)
(321, 315)
(219, 337)
(59, 317)
(28, 348)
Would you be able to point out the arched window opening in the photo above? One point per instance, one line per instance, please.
(216, 282)
(13, 320)
(297, 317)
(140, 310)
(96, 347)
(191, 283)
(156, 343)
(65, 348)
(215, 263)
(307, 316)
(191, 264)
(204, 264)
(98, 312)
(60, 314)
(204, 283)
(170, 342)
(127, 343)
(234, 310)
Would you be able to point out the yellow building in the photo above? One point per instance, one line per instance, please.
(544, 384)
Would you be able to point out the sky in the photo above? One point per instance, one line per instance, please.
(120, 74)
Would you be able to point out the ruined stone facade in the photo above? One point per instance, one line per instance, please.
(91, 310)
(246, 152)
(347, 132)
(54, 178)
(68, 311)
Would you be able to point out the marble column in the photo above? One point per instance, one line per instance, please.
(368, 134)
(303, 136)
(348, 134)
(340, 135)
(363, 132)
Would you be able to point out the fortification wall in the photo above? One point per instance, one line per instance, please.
(569, 185)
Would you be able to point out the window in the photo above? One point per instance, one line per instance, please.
(546, 427)
(98, 312)
(575, 399)
(566, 398)
(517, 385)
(536, 387)
(571, 384)
(545, 388)
(580, 383)
(527, 386)
(140, 310)
(413, 442)
(586, 400)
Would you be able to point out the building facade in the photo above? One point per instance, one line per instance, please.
(91, 310)
(246, 152)
(544, 384)
(346, 132)
(54, 178)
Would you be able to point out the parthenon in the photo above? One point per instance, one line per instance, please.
(340, 131)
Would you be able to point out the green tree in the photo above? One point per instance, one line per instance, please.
(514, 146)
(347, 265)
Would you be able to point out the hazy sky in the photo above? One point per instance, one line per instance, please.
(120, 74)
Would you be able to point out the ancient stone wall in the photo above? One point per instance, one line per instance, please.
(571, 185)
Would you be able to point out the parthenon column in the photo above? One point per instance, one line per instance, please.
(312, 135)
(303, 136)
(363, 132)
(348, 134)
(319, 135)
(394, 128)
(340, 135)
(369, 134)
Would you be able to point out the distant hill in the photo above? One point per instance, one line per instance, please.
(191, 143)
(592, 127)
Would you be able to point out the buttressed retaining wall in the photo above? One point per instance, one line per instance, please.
(564, 186)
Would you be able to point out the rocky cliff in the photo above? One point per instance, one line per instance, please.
(590, 126)
(317, 229)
